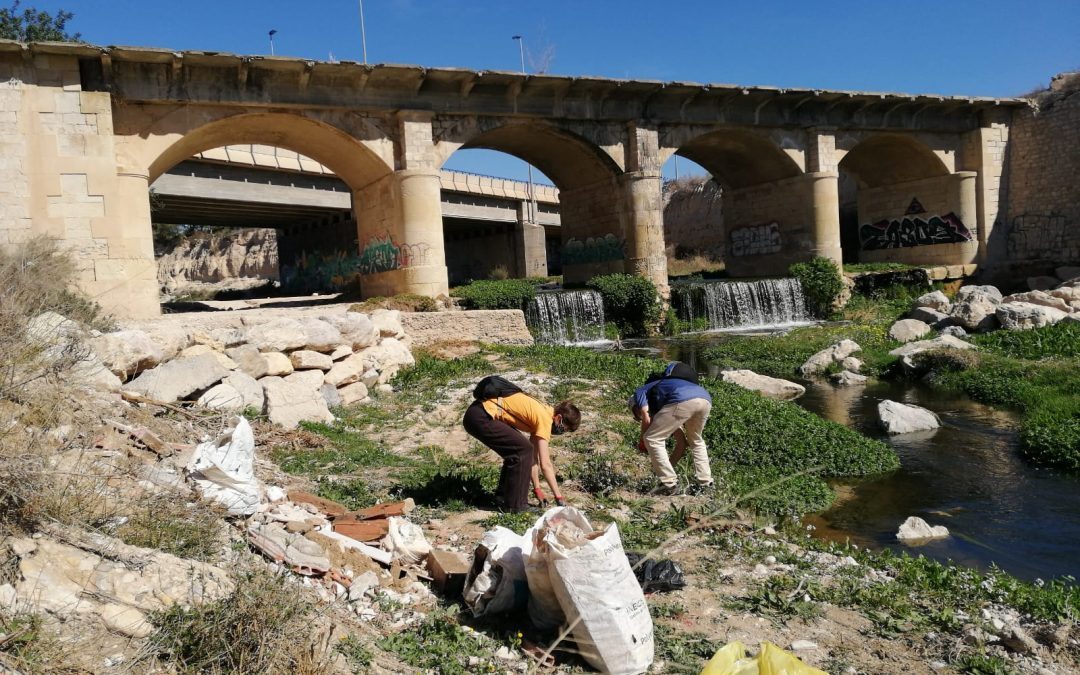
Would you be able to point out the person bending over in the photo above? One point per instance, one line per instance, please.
(672, 402)
(497, 417)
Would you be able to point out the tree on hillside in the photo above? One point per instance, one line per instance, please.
(32, 25)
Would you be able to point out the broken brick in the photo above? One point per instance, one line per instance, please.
(363, 530)
(387, 510)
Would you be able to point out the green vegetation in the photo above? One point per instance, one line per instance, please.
(821, 282)
(430, 371)
(440, 645)
(497, 294)
(32, 25)
(630, 302)
(769, 455)
(861, 268)
(345, 452)
(883, 305)
(406, 302)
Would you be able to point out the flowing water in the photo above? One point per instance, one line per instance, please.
(725, 305)
(966, 475)
(566, 317)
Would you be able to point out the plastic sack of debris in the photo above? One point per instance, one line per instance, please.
(496, 583)
(223, 470)
(544, 609)
(602, 600)
(731, 659)
(656, 575)
(405, 540)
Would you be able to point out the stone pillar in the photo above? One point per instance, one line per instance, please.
(644, 208)
(983, 152)
(530, 245)
(825, 196)
(399, 218)
(126, 281)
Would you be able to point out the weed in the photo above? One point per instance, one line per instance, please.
(630, 301)
(441, 480)
(264, 625)
(821, 283)
(598, 474)
(981, 663)
(439, 645)
(167, 523)
(347, 452)
(25, 646)
(496, 294)
(683, 650)
(780, 596)
(857, 268)
(359, 654)
(429, 372)
(517, 522)
(354, 493)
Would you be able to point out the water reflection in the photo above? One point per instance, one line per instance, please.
(966, 475)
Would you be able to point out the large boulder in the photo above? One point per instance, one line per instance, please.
(127, 352)
(306, 359)
(169, 338)
(222, 396)
(1039, 298)
(289, 403)
(353, 393)
(249, 359)
(278, 335)
(906, 330)
(770, 387)
(954, 331)
(320, 336)
(917, 530)
(1070, 294)
(818, 363)
(936, 300)
(250, 390)
(197, 349)
(277, 364)
(347, 370)
(388, 357)
(388, 322)
(1025, 316)
(308, 379)
(929, 316)
(847, 378)
(907, 352)
(178, 379)
(357, 330)
(974, 307)
(899, 418)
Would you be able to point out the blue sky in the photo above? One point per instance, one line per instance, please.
(985, 48)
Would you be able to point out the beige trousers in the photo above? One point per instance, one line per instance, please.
(690, 416)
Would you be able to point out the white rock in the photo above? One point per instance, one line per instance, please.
(277, 364)
(908, 351)
(974, 307)
(388, 323)
(248, 359)
(288, 404)
(222, 396)
(1039, 298)
(320, 336)
(306, 359)
(954, 331)
(331, 396)
(906, 330)
(278, 335)
(126, 621)
(847, 378)
(127, 352)
(52, 328)
(196, 350)
(91, 373)
(929, 316)
(356, 329)
(348, 370)
(361, 584)
(836, 353)
(275, 494)
(250, 390)
(803, 645)
(851, 363)
(936, 301)
(917, 529)
(1025, 316)
(171, 340)
(898, 418)
(178, 378)
(370, 378)
(353, 393)
(389, 353)
(341, 352)
(309, 379)
(1069, 294)
(771, 387)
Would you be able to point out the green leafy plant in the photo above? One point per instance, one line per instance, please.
(496, 294)
(33, 25)
(630, 301)
(821, 282)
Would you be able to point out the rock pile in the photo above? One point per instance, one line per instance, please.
(840, 354)
(292, 370)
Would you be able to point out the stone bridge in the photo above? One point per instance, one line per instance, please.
(86, 129)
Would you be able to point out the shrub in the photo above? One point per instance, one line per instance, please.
(630, 301)
(492, 294)
(821, 282)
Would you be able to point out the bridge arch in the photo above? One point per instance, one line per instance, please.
(739, 158)
(887, 159)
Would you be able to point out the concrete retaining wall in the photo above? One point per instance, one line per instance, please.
(495, 326)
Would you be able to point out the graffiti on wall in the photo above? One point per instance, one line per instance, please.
(320, 272)
(1036, 235)
(593, 250)
(907, 232)
(381, 254)
(756, 240)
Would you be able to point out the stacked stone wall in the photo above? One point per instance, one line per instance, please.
(1042, 227)
(694, 219)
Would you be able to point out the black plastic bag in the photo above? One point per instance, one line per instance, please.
(657, 575)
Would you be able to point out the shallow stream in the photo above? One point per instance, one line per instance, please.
(966, 475)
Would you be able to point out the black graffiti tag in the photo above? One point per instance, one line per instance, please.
(908, 232)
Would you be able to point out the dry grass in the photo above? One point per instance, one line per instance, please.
(405, 302)
(697, 263)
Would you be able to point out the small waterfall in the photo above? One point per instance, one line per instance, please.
(742, 304)
(566, 317)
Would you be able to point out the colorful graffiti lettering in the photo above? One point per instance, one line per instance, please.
(383, 255)
(756, 240)
(908, 232)
(593, 250)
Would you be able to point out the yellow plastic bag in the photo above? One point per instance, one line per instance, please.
(731, 660)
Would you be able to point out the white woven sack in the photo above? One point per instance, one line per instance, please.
(544, 609)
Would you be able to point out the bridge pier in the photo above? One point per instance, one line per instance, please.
(400, 230)
(530, 245)
(645, 255)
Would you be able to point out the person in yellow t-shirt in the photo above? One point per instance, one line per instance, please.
(498, 421)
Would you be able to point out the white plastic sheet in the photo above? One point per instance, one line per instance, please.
(405, 540)
(223, 470)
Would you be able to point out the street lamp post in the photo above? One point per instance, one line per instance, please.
(532, 200)
(363, 32)
(272, 33)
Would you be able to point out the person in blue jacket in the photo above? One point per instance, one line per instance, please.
(672, 402)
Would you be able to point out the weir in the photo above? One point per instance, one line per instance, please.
(566, 317)
(719, 305)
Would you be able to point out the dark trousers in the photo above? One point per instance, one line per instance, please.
(515, 449)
